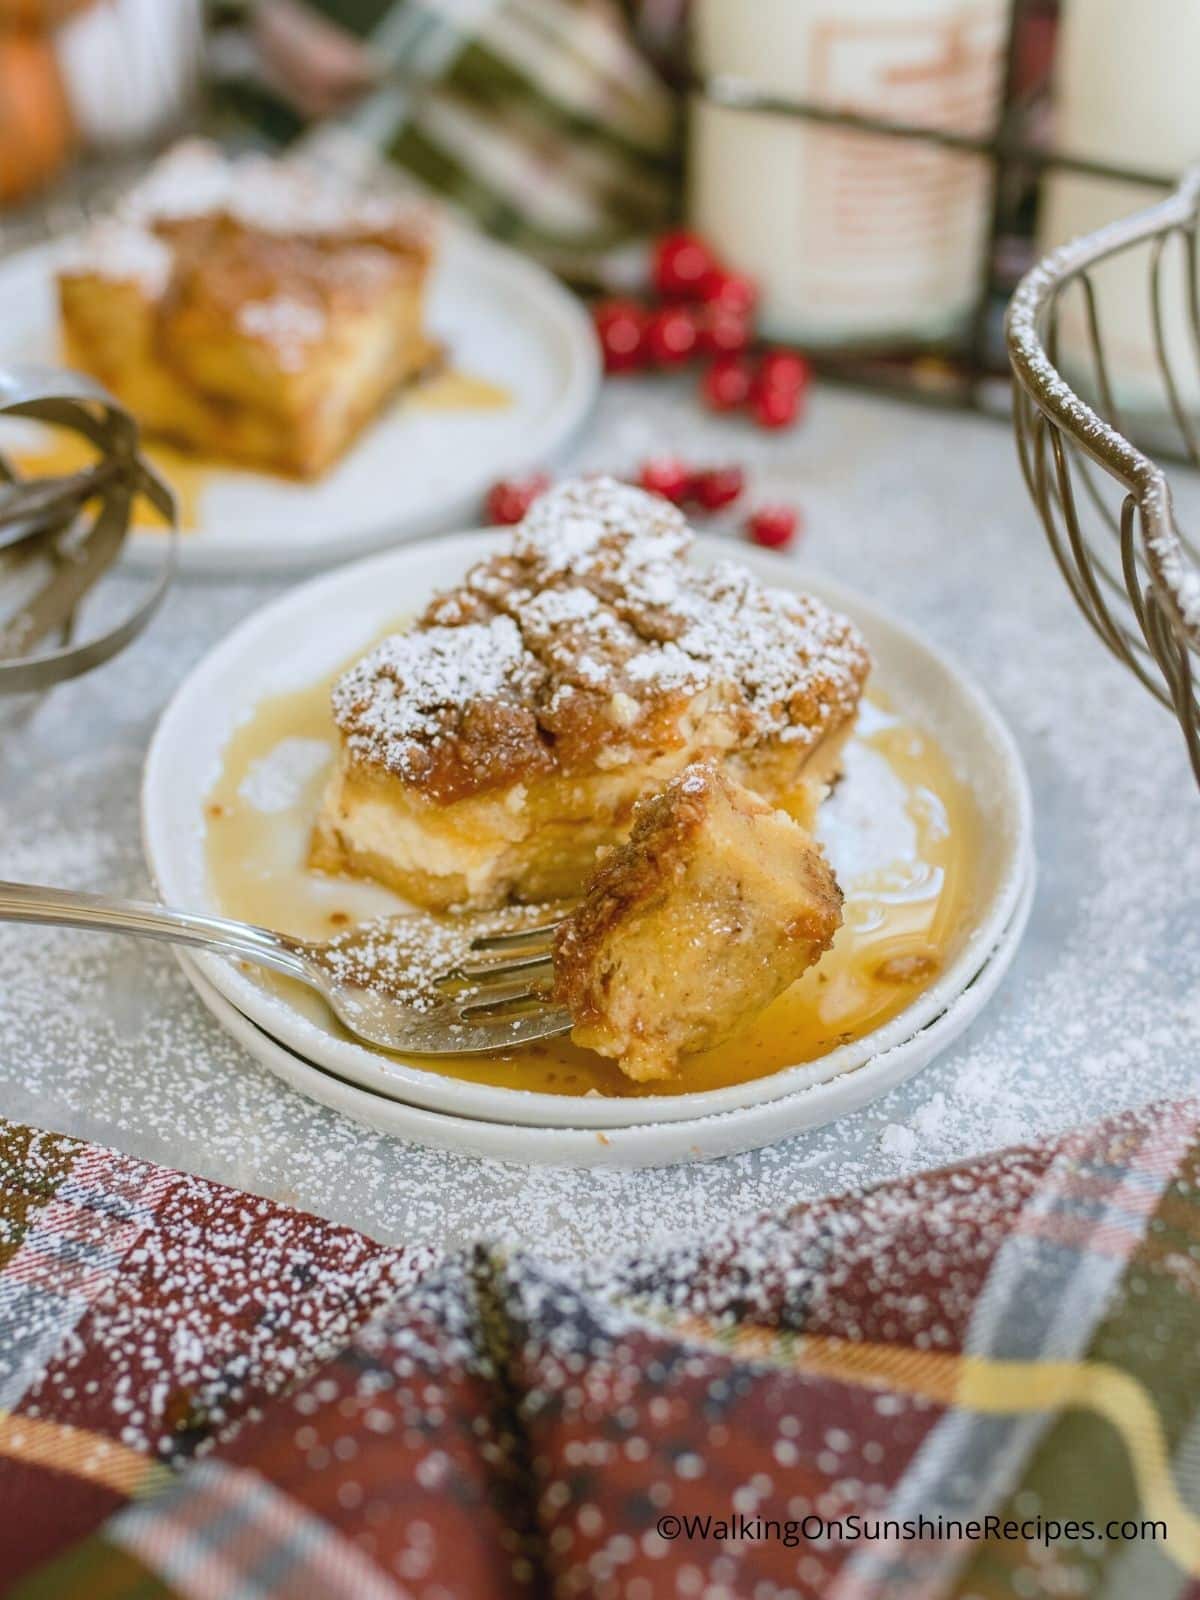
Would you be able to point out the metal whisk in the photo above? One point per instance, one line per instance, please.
(1106, 506)
(60, 534)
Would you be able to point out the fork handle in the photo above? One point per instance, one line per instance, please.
(70, 908)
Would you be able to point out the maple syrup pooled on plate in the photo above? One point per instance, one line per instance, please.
(451, 390)
(59, 452)
(900, 829)
(63, 452)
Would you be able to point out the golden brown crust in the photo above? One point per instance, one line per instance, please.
(247, 311)
(229, 274)
(714, 904)
(665, 825)
(591, 642)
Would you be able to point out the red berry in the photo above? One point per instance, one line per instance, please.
(510, 498)
(726, 384)
(773, 527)
(682, 263)
(731, 289)
(774, 407)
(725, 330)
(671, 335)
(717, 487)
(621, 328)
(784, 369)
(667, 476)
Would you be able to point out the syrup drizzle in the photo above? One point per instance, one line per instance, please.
(60, 452)
(901, 831)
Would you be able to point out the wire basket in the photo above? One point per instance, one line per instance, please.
(1106, 506)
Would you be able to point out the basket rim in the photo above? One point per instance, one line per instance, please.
(1174, 574)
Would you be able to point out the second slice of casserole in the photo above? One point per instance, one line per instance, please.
(249, 310)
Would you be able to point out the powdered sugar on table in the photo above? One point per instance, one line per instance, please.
(923, 512)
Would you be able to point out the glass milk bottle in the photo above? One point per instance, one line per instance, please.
(856, 239)
(1126, 93)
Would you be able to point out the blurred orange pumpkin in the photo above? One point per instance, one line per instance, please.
(35, 120)
(38, 16)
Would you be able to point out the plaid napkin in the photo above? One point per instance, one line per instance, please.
(206, 1394)
(544, 120)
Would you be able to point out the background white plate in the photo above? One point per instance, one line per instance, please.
(656, 1144)
(414, 471)
(308, 632)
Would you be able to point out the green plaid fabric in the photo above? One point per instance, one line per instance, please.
(541, 119)
(981, 1383)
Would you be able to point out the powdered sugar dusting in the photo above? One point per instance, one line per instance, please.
(291, 325)
(197, 1304)
(595, 598)
(196, 179)
(122, 251)
(105, 1037)
(404, 957)
(590, 526)
(140, 243)
(274, 782)
(413, 689)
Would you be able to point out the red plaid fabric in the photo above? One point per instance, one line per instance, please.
(143, 1313)
(828, 1402)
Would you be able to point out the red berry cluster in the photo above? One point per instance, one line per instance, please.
(772, 389)
(714, 489)
(704, 311)
(710, 489)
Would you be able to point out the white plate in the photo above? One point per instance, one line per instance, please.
(303, 636)
(415, 471)
(657, 1144)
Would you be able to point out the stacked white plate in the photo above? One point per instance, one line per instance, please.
(302, 638)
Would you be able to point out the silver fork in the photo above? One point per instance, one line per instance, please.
(484, 986)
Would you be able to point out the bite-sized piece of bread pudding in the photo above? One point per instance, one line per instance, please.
(712, 907)
(250, 310)
(490, 752)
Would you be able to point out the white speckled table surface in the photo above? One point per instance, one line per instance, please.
(922, 510)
